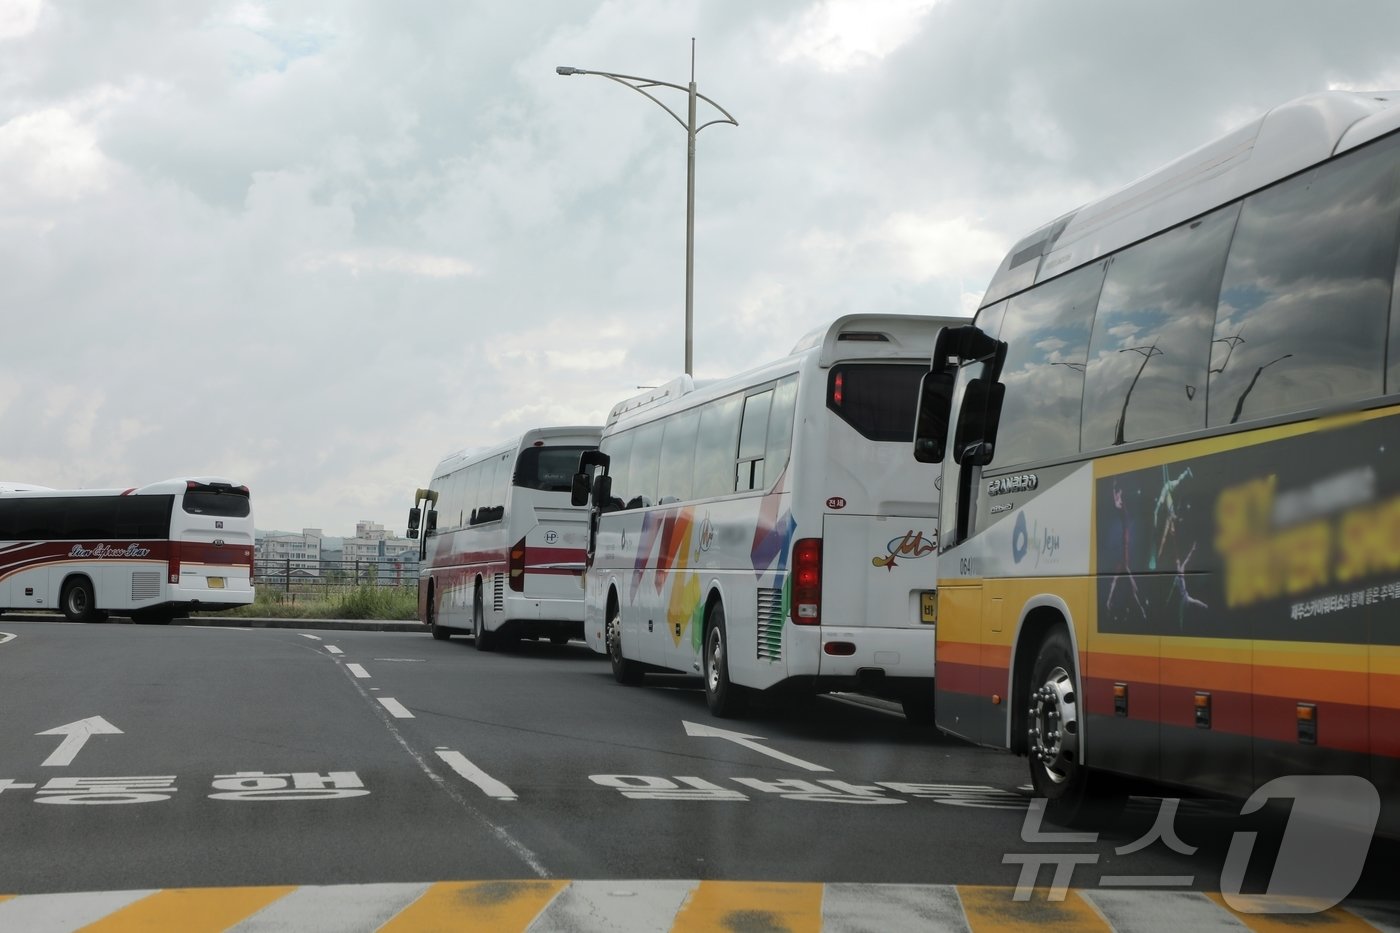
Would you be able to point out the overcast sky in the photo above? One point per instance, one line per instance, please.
(314, 246)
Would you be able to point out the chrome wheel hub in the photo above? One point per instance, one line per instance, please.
(1054, 726)
(716, 657)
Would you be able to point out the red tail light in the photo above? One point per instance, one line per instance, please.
(838, 391)
(807, 582)
(517, 567)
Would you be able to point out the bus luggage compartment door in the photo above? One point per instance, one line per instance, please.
(877, 570)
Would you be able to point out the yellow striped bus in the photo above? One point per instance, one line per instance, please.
(1170, 514)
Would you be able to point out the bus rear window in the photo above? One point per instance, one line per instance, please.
(223, 501)
(550, 469)
(877, 399)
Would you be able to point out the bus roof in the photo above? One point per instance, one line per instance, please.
(1285, 140)
(163, 487)
(468, 455)
(850, 337)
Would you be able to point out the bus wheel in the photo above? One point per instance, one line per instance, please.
(725, 699)
(1074, 796)
(479, 633)
(439, 633)
(78, 601)
(624, 671)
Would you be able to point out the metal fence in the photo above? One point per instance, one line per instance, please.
(298, 575)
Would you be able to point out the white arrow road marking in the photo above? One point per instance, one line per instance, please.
(748, 741)
(5, 636)
(75, 736)
(489, 785)
(358, 670)
(395, 708)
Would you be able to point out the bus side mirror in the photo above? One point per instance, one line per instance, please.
(430, 523)
(931, 417)
(415, 515)
(978, 420)
(602, 490)
(578, 493)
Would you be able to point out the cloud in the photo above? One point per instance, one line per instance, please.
(390, 260)
(841, 35)
(18, 18)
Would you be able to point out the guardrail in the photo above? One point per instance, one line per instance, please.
(298, 575)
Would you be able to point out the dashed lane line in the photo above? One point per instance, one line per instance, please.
(395, 708)
(333, 649)
(312, 637)
(489, 785)
(358, 671)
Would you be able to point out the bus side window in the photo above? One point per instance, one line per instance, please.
(715, 443)
(775, 452)
(677, 457)
(644, 465)
(753, 439)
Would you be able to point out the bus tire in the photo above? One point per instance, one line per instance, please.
(479, 634)
(725, 698)
(439, 633)
(78, 601)
(1074, 794)
(624, 671)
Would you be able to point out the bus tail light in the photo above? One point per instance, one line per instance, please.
(517, 566)
(807, 582)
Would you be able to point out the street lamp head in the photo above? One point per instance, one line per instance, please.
(565, 70)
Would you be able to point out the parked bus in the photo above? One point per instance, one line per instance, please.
(769, 530)
(502, 548)
(1171, 506)
(152, 552)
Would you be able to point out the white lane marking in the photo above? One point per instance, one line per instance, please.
(333, 649)
(312, 637)
(489, 785)
(333, 907)
(75, 736)
(621, 906)
(61, 913)
(408, 660)
(358, 671)
(397, 709)
(7, 637)
(749, 742)
(518, 848)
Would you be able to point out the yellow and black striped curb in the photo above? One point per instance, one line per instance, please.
(637, 906)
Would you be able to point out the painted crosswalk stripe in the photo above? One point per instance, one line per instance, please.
(1133, 911)
(618, 906)
(395, 708)
(190, 910)
(490, 905)
(358, 671)
(338, 908)
(60, 913)
(489, 785)
(730, 905)
(847, 908)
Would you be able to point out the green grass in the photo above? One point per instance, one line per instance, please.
(359, 602)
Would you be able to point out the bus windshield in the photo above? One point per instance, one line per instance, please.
(550, 469)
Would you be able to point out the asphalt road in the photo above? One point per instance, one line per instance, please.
(285, 757)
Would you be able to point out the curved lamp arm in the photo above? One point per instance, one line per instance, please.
(641, 84)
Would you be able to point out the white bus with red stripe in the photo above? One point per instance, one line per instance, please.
(152, 552)
(503, 548)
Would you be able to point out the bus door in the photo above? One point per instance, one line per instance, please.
(956, 425)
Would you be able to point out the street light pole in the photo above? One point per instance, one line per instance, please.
(640, 85)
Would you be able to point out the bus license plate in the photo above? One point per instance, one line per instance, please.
(928, 606)
(215, 583)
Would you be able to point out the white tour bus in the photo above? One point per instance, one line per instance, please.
(502, 548)
(770, 530)
(152, 552)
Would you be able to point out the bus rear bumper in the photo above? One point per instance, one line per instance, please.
(866, 653)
